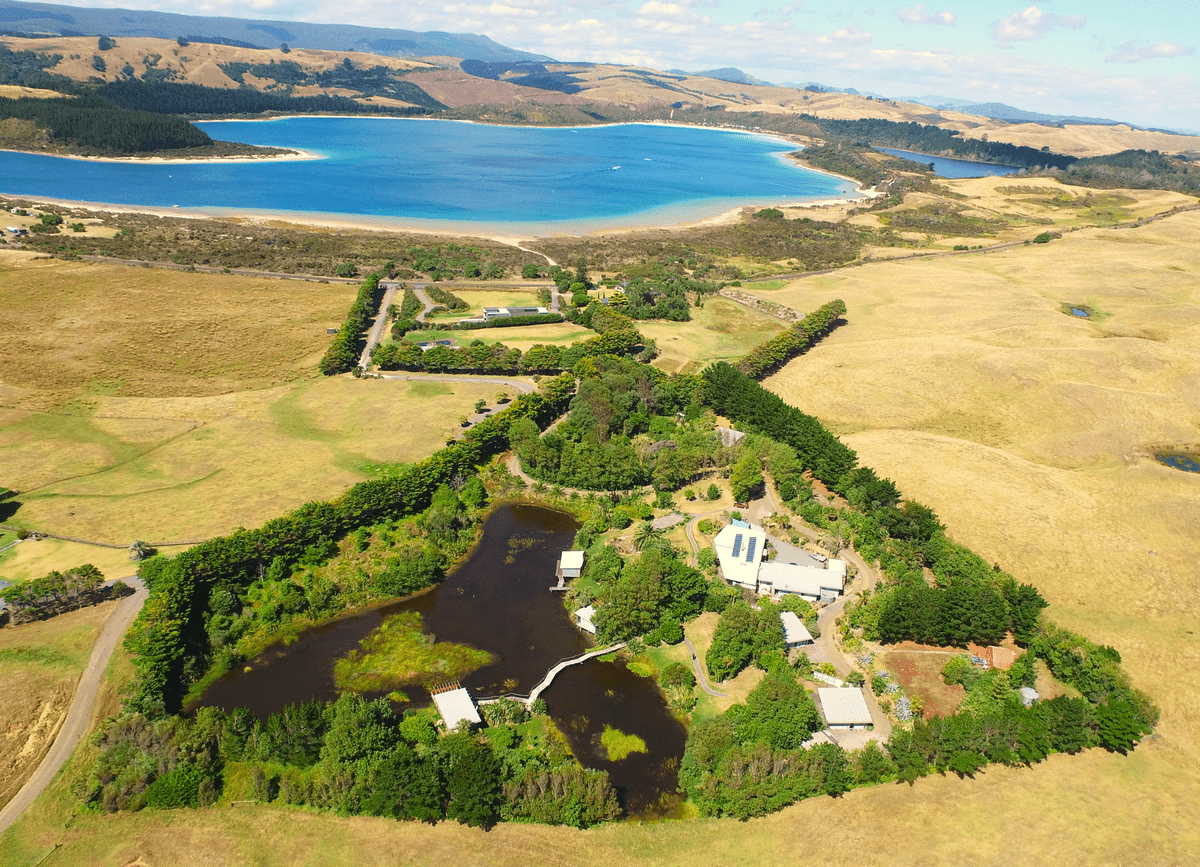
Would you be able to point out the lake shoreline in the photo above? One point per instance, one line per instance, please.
(719, 205)
(294, 155)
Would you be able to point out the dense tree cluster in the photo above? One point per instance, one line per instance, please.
(744, 636)
(934, 140)
(481, 357)
(1135, 169)
(342, 354)
(352, 756)
(738, 397)
(177, 98)
(622, 432)
(95, 124)
(783, 347)
(55, 593)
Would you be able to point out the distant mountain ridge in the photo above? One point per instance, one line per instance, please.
(1000, 111)
(46, 18)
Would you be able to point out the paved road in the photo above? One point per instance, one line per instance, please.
(79, 716)
(701, 675)
(424, 299)
(376, 332)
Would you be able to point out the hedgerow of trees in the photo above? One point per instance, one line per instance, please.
(342, 354)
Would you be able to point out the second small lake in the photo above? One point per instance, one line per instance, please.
(948, 168)
(498, 600)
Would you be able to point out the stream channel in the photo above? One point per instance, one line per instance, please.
(498, 600)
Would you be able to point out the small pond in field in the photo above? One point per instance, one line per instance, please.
(1189, 463)
(497, 600)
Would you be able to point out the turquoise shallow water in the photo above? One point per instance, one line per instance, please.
(439, 172)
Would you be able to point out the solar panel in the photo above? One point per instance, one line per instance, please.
(750, 549)
(737, 545)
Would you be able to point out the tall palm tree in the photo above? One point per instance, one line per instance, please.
(644, 533)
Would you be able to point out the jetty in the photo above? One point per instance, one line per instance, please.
(545, 682)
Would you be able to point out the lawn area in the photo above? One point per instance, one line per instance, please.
(478, 299)
(41, 662)
(721, 330)
(517, 336)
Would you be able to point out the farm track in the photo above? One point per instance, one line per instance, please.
(79, 716)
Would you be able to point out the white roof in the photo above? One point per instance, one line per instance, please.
(456, 706)
(584, 616)
(739, 549)
(844, 706)
(804, 580)
(794, 632)
(572, 559)
(835, 565)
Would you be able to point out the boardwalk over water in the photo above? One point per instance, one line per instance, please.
(553, 673)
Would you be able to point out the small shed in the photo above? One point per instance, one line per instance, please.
(1028, 696)
(795, 634)
(456, 707)
(583, 617)
(844, 708)
(571, 564)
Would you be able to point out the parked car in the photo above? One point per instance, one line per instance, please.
(820, 558)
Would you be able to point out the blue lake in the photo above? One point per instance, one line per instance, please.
(441, 173)
(948, 168)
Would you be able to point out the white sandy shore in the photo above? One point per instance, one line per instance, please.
(499, 232)
(294, 155)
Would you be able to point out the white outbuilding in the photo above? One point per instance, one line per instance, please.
(795, 634)
(583, 618)
(570, 564)
(456, 708)
(844, 707)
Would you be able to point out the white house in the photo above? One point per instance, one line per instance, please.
(570, 564)
(739, 549)
(795, 634)
(456, 708)
(844, 708)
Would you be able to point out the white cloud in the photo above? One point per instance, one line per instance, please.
(851, 34)
(1130, 52)
(920, 15)
(1032, 23)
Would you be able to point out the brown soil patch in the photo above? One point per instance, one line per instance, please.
(920, 674)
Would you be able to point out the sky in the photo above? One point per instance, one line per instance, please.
(1131, 60)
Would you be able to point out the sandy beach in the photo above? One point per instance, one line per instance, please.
(294, 155)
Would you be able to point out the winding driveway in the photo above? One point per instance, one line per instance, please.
(701, 675)
(79, 716)
(376, 332)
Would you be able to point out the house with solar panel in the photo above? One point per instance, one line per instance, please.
(740, 548)
(739, 551)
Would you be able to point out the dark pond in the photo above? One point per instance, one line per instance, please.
(498, 600)
(948, 168)
(1187, 463)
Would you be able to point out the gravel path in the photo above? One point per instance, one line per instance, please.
(701, 676)
(79, 717)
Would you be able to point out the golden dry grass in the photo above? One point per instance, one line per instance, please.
(1030, 431)
(33, 559)
(139, 403)
(42, 663)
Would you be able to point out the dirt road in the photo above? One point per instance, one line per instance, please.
(79, 717)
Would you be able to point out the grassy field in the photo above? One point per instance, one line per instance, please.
(42, 663)
(719, 331)
(1031, 431)
(33, 559)
(137, 403)
(518, 336)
